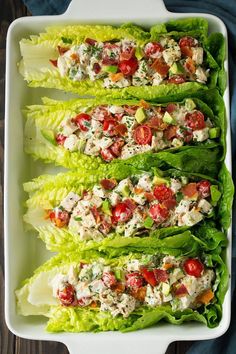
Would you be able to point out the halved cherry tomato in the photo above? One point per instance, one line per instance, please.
(54, 62)
(171, 107)
(128, 67)
(117, 146)
(170, 132)
(149, 276)
(60, 139)
(109, 126)
(176, 79)
(161, 275)
(181, 290)
(67, 295)
(152, 49)
(90, 41)
(108, 184)
(170, 203)
(160, 66)
(107, 155)
(83, 121)
(159, 212)
(121, 212)
(143, 135)
(162, 192)
(194, 267)
(134, 280)
(109, 279)
(195, 120)
(203, 188)
(121, 129)
(187, 41)
(190, 190)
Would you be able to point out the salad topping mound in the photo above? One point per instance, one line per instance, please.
(152, 281)
(112, 131)
(123, 63)
(133, 206)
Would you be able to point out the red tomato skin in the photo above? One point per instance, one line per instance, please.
(109, 279)
(162, 192)
(121, 212)
(67, 295)
(109, 127)
(128, 67)
(60, 218)
(60, 139)
(161, 275)
(194, 267)
(108, 183)
(107, 155)
(96, 214)
(158, 212)
(134, 280)
(53, 62)
(152, 49)
(149, 276)
(96, 68)
(195, 120)
(143, 135)
(203, 188)
(82, 120)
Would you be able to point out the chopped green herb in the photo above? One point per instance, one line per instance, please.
(179, 196)
(77, 218)
(66, 40)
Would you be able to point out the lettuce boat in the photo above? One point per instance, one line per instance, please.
(88, 292)
(102, 130)
(125, 61)
(82, 211)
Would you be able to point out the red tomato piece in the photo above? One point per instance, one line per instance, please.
(194, 267)
(149, 276)
(169, 203)
(176, 79)
(159, 212)
(170, 132)
(187, 135)
(60, 218)
(90, 41)
(195, 120)
(181, 290)
(121, 212)
(96, 68)
(83, 121)
(190, 190)
(60, 139)
(171, 107)
(54, 62)
(160, 66)
(109, 279)
(109, 126)
(149, 196)
(83, 302)
(203, 188)
(108, 184)
(161, 275)
(143, 135)
(62, 50)
(162, 192)
(107, 155)
(185, 44)
(121, 129)
(128, 67)
(152, 49)
(67, 295)
(134, 280)
(116, 147)
(100, 113)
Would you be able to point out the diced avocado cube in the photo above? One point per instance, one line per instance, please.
(148, 222)
(165, 288)
(110, 69)
(106, 207)
(215, 194)
(49, 136)
(159, 180)
(125, 191)
(176, 68)
(118, 274)
(140, 115)
(189, 104)
(139, 53)
(214, 133)
(168, 119)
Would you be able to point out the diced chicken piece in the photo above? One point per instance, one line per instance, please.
(184, 303)
(175, 185)
(131, 150)
(139, 198)
(97, 270)
(91, 148)
(129, 121)
(126, 305)
(153, 296)
(201, 135)
(141, 75)
(58, 283)
(157, 79)
(175, 275)
(70, 201)
(98, 191)
(116, 109)
(68, 127)
(104, 142)
(114, 198)
(177, 142)
(172, 53)
(191, 218)
(205, 206)
(108, 83)
(96, 201)
(71, 143)
(126, 44)
(191, 284)
(77, 73)
(183, 207)
(133, 265)
(97, 286)
(123, 185)
(201, 75)
(84, 53)
(197, 55)
(82, 290)
(145, 183)
(205, 281)
(88, 220)
(133, 224)
(96, 127)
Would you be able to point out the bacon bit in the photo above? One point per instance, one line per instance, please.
(62, 50)
(167, 266)
(130, 204)
(190, 190)
(160, 275)
(160, 66)
(121, 129)
(170, 132)
(75, 57)
(126, 55)
(119, 287)
(190, 66)
(116, 77)
(138, 190)
(48, 214)
(108, 184)
(144, 104)
(60, 223)
(187, 51)
(149, 196)
(181, 291)
(171, 107)
(94, 304)
(105, 227)
(140, 293)
(90, 41)
(54, 62)
(96, 214)
(131, 109)
(157, 123)
(205, 297)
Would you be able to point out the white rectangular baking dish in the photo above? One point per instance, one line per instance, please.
(24, 253)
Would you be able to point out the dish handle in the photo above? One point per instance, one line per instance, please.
(104, 8)
(108, 346)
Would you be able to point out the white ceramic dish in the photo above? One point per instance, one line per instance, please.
(23, 253)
